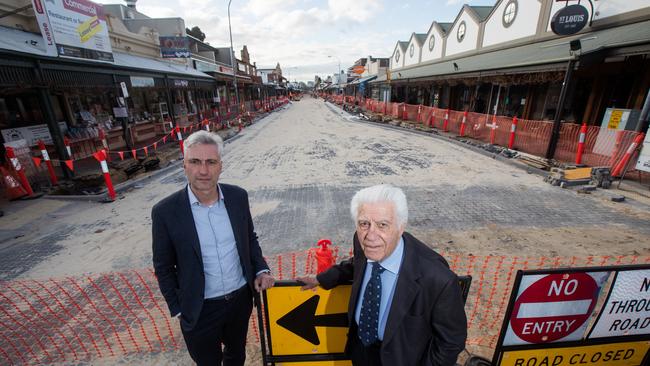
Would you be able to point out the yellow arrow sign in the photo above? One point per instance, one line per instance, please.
(306, 322)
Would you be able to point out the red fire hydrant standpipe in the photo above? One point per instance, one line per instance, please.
(324, 257)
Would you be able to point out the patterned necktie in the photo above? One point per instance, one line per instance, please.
(369, 316)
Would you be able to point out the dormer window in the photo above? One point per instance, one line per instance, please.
(411, 50)
(462, 29)
(432, 42)
(509, 13)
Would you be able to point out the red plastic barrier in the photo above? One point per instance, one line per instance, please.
(11, 155)
(101, 157)
(46, 157)
(513, 131)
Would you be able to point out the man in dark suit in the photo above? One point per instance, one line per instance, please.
(406, 306)
(207, 258)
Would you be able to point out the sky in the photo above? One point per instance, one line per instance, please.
(307, 37)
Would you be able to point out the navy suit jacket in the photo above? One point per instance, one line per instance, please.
(426, 324)
(177, 259)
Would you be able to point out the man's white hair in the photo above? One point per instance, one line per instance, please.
(381, 193)
(203, 138)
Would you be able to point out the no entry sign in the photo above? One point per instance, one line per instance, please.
(553, 307)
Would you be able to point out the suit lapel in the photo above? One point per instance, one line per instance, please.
(360, 262)
(405, 291)
(186, 221)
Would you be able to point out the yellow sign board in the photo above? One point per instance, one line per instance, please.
(615, 119)
(307, 322)
(88, 29)
(611, 354)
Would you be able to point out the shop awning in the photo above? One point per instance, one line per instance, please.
(363, 80)
(544, 56)
(24, 42)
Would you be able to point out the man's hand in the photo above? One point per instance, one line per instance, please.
(309, 283)
(264, 281)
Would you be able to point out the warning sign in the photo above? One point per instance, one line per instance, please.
(307, 322)
(615, 119)
(627, 310)
(553, 307)
(614, 354)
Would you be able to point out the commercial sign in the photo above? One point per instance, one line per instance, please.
(142, 82)
(570, 20)
(181, 83)
(174, 47)
(75, 28)
(553, 307)
(627, 310)
(31, 134)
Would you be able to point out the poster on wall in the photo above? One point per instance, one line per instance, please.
(76, 28)
(31, 134)
(174, 47)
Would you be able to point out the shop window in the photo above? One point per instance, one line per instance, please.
(20, 111)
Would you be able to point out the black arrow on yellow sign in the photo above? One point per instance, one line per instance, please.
(303, 320)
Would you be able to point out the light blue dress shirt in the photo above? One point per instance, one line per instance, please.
(392, 264)
(221, 265)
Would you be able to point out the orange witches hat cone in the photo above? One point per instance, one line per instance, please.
(14, 189)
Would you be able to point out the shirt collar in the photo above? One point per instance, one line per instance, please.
(195, 201)
(394, 260)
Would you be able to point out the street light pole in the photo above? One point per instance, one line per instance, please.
(232, 60)
(338, 75)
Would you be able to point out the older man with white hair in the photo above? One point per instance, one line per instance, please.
(406, 306)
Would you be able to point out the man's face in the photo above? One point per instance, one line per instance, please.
(378, 230)
(202, 165)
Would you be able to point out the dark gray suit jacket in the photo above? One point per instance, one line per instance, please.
(177, 259)
(426, 324)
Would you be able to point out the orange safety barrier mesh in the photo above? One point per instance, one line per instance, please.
(83, 318)
(603, 147)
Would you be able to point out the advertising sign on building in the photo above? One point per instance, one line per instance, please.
(142, 82)
(31, 134)
(174, 47)
(570, 20)
(627, 309)
(554, 307)
(76, 28)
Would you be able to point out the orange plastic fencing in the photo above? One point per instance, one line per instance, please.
(84, 318)
(603, 147)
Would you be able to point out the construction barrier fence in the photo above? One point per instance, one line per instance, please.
(90, 317)
(602, 147)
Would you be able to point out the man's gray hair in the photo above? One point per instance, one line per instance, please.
(203, 138)
(381, 193)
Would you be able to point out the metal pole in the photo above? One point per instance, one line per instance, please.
(232, 57)
(560, 108)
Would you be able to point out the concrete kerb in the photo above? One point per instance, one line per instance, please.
(103, 197)
(438, 135)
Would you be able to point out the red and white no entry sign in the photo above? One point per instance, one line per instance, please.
(553, 307)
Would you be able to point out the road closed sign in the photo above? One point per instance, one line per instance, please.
(627, 309)
(553, 307)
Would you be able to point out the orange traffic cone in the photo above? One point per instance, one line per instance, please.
(14, 189)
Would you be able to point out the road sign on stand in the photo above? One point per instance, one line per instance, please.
(553, 307)
(306, 325)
